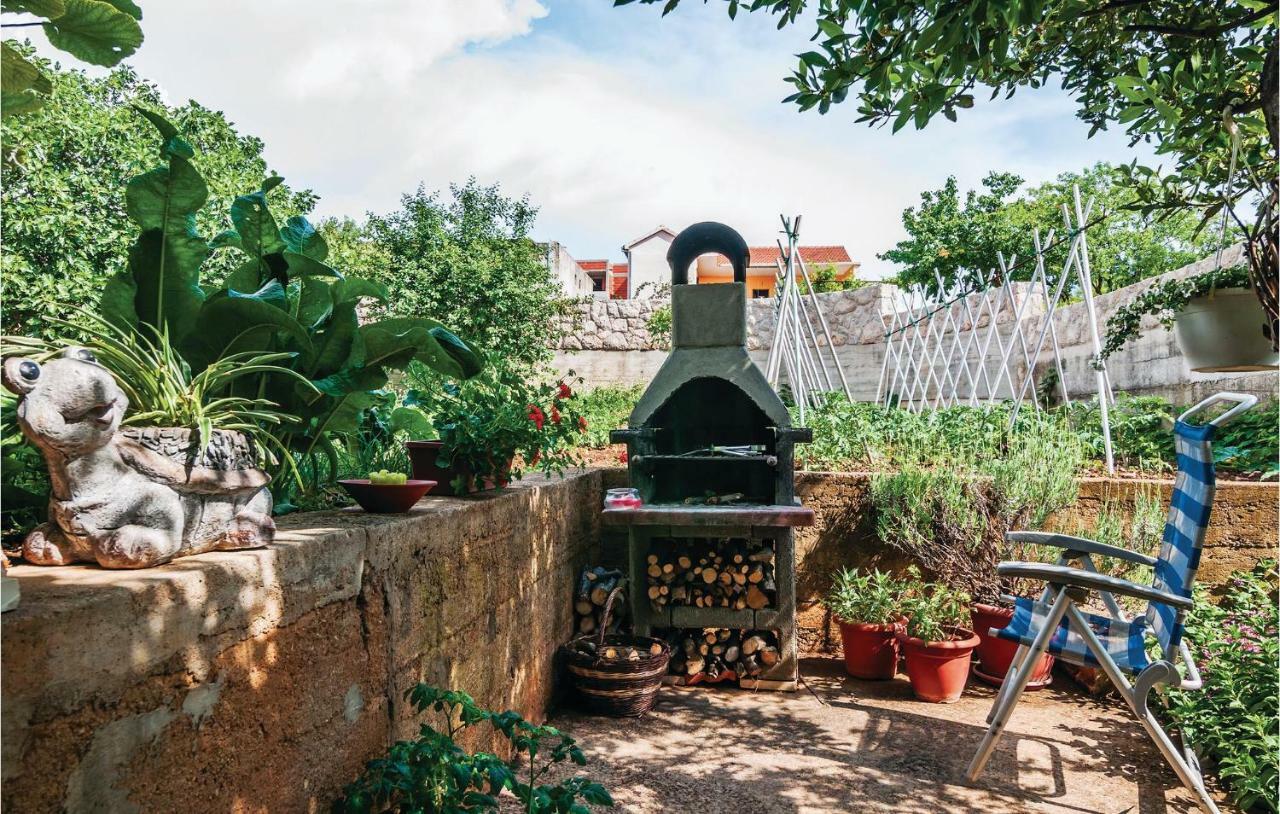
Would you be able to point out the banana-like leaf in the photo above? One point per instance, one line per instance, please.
(300, 265)
(22, 87)
(353, 289)
(160, 285)
(94, 31)
(315, 300)
(301, 237)
(412, 421)
(232, 322)
(338, 345)
(259, 235)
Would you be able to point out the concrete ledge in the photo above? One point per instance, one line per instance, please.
(186, 687)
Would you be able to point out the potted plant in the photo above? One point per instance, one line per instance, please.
(1215, 316)
(936, 645)
(868, 608)
(996, 654)
(492, 426)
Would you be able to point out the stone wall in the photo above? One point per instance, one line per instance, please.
(613, 345)
(1245, 526)
(264, 680)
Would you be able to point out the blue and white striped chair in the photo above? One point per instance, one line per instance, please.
(1114, 642)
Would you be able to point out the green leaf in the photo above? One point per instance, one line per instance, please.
(41, 8)
(315, 301)
(231, 322)
(128, 7)
(353, 289)
(163, 276)
(338, 345)
(300, 265)
(166, 197)
(94, 31)
(258, 232)
(301, 237)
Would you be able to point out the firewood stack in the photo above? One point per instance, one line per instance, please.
(594, 586)
(711, 655)
(706, 573)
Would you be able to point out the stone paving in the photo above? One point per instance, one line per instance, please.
(842, 745)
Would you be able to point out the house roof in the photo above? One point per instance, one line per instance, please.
(768, 255)
(647, 235)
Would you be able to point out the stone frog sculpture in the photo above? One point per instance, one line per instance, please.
(117, 498)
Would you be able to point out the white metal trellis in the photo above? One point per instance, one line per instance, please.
(940, 345)
(795, 350)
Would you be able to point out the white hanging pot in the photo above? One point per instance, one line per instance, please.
(1222, 333)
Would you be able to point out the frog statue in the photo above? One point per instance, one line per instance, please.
(131, 498)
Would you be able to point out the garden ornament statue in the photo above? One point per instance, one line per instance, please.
(116, 497)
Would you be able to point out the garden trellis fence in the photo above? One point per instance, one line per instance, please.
(945, 347)
(795, 348)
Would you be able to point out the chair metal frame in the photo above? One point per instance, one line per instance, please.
(1060, 581)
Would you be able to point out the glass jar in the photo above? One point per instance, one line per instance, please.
(622, 499)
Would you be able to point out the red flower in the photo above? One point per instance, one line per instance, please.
(565, 392)
(536, 415)
(555, 415)
(582, 424)
(622, 457)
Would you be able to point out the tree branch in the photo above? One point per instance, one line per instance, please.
(19, 25)
(1204, 33)
(1114, 5)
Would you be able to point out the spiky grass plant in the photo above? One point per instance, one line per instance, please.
(163, 392)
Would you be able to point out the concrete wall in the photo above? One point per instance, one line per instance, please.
(572, 279)
(1152, 364)
(649, 264)
(264, 680)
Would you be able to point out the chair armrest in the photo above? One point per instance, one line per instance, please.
(1079, 578)
(1069, 543)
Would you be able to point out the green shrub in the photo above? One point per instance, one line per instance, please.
(1234, 720)
(934, 611)
(432, 774)
(873, 599)
(605, 409)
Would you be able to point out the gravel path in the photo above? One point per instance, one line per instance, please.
(842, 745)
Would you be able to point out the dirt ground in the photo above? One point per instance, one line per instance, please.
(843, 745)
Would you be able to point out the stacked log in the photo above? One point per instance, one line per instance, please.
(732, 573)
(594, 585)
(720, 654)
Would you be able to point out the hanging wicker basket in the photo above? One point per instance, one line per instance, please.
(619, 686)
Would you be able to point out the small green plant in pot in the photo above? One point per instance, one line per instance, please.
(492, 426)
(937, 645)
(868, 608)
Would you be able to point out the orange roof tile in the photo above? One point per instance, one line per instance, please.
(768, 255)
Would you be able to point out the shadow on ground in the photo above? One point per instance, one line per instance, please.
(842, 745)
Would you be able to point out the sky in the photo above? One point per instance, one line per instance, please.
(612, 120)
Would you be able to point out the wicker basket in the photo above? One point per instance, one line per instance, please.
(617, 687)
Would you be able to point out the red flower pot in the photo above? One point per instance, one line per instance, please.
(424, 460)
(939, 670)
(996, 654)
(870, 651)
(387, 498)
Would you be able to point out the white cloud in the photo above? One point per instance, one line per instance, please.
(612, 120)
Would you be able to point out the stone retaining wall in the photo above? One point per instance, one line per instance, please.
(1245, 526)
(264, 680)
(613, 345)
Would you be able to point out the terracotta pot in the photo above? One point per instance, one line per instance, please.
(870, 651)
(387, 498)
(939, 670)
(424, 460)
(996, 654)
(1222, 333)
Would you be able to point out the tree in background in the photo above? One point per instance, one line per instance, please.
(65, 227)
(960, 240)
(823, 277)
(466, 260)
(1191, 77)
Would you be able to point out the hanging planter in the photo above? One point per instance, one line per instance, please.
(1221, 332)
(1216, 317)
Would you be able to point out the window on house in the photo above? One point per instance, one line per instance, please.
(759, 293)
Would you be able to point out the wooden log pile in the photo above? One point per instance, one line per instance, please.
(732, 573)
(594, 585)
(720, 654)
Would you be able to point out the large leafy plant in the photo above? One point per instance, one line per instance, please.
(1164, 301)
(280, 298)
(936, 612)
(432, 774)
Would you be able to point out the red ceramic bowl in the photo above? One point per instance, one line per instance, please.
(387, 498)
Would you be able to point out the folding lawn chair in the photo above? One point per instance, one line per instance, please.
(1115, 642)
